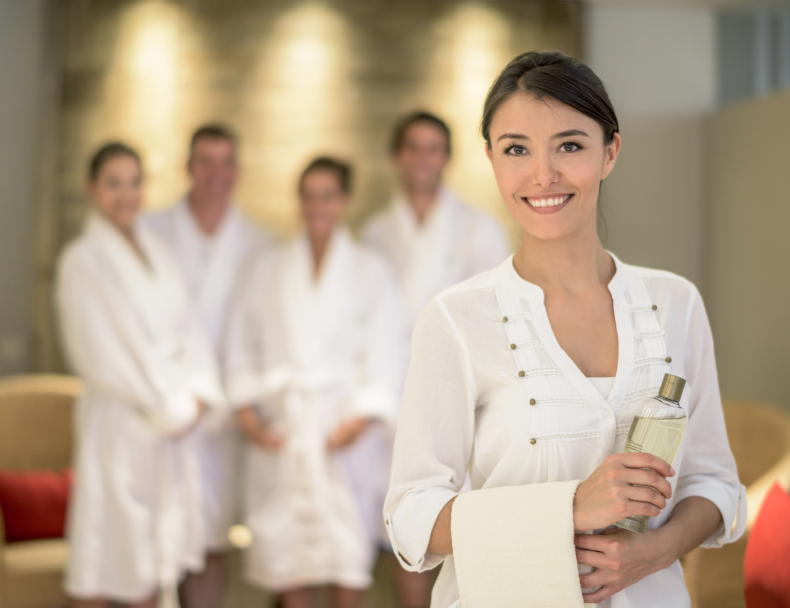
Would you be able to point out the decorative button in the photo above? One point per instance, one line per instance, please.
(521, 374)
(654, 307)
(533, 441)
(532, 402)
(607, 413)
(668, 359)
(504, 319)
(512, 347)
(386, 522)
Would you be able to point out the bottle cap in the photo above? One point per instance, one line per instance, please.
(672, 387)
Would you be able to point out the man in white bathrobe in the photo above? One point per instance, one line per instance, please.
(432, 238)
(212, 243)
(434, 241)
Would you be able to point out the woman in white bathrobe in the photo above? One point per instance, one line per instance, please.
(529, 376)
(314, 357)
(134, 524)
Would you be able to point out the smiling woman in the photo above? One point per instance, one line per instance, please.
(529, 375)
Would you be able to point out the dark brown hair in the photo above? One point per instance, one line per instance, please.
(552, 74)
(399, 133)
(213, 131)
(340, 169)
(107, 152)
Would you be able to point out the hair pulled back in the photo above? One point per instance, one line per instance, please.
(108, 152)
(342, 171)
(552, 74)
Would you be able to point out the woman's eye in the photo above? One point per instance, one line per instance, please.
(570, 147)
(516, 150)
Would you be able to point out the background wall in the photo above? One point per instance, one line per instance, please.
(748, 214)
(22, 26)
(294, 79)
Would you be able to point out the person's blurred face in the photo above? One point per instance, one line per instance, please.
(117, 190)
(323, 203)
(422, 156)
(212, 167)
(549, 160)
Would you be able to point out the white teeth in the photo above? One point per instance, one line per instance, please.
(548, 202)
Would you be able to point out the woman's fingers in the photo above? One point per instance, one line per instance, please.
(591, 558)
(643, 460)
(597, 596)
(639, 477)
(646, 495)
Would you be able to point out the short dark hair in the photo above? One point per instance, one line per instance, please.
(399, 133)
(107, 152)
(552, 74)
(212, 131)
(340, 169)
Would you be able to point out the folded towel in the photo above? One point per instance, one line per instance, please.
(513, 547)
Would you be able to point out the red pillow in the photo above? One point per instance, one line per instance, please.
(766, 566)
(34, 503)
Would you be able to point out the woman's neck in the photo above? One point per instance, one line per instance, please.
(573, 263)
(319, 244)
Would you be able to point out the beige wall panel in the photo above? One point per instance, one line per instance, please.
(652, 201)
(748, 226)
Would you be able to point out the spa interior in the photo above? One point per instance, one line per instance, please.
(702, 93)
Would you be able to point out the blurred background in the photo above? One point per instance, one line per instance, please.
(702, 90)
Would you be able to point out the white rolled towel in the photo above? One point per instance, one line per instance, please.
(513, 547)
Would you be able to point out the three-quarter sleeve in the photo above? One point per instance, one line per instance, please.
(708, 468)
(117, 360)
(434, 440)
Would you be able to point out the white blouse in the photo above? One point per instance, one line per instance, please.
(490, 390)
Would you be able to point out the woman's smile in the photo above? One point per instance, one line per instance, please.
(547, 203)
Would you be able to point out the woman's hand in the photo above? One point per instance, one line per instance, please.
(621, 558)
(201, 410)
(609, 494)
(347, 433)
(256, 430)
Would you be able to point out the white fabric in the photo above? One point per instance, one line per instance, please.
(134, 520)
(465, 405)
(454, 243)
(213, 266)
(513, 547)
(310, 354)
(602, 385)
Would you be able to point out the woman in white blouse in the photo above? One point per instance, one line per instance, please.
(531, 373)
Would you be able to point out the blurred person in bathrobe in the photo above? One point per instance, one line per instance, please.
(212, 243)
(150, 382)
(434, 240)
(314, 367)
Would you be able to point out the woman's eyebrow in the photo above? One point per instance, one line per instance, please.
(570, 133)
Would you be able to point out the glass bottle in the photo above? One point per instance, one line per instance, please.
(657, 429)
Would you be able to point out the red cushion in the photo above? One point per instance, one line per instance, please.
(766, 566)
(34, 503)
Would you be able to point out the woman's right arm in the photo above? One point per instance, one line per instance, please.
(90, 317)
(433, 443)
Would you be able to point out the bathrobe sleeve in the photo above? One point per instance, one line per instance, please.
(113, 355)
(381, 371)
(433, 442)
(708, 469)
(243, 347)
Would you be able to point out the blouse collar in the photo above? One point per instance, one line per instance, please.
(530, 291)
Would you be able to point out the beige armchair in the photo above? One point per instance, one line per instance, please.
(35, 433)
(759, 436)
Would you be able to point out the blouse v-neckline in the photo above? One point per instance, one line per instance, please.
(625, 334)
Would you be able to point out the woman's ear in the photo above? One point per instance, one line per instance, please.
(489, 153)
(611, 151)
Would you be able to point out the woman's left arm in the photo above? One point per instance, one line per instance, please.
(622, 558)
(709, 501)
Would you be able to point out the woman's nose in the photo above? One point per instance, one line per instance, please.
(544, 171)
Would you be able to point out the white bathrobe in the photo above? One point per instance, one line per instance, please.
(134, 519)
(454, 243)
(309, 355)
(212, 267)
(490, 390)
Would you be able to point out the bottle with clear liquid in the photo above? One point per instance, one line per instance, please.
(657, 429)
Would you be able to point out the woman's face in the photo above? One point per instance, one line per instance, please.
(323, 203)
(117, 190)
(549, 160)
